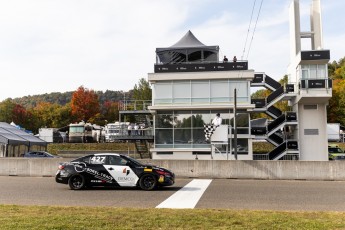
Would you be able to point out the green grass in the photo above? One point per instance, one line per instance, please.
(47, 217)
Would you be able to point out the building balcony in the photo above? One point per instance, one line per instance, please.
(200, 67)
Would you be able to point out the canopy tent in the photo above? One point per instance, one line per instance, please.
(16, 134)
(15, 142)
(7, 137)
(187, 49)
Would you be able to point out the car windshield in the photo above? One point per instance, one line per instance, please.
(335, 150)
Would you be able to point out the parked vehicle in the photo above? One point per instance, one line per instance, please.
(40, 154)
(111, 169)
(85, 133)
(335, 153)
(115, 129)
(333, 132)
(52, 135)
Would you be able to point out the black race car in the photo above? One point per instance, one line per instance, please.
(111, 169)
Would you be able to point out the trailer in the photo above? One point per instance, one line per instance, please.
(112, 130)
(51, 135)
(333, 132)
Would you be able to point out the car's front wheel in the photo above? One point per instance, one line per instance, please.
(76, 182)
(148, 182)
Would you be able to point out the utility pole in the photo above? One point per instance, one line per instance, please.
(235, 125)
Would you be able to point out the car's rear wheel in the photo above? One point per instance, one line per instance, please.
(148, 182)
(76, 182)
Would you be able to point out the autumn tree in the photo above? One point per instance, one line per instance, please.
(110, 111)
(336, 108)
(84, 104)
(10, 111)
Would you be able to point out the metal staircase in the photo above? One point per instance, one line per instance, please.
(274, 132)
(142, 148)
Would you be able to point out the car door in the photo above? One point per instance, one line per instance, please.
(117, 167)
(96, 172)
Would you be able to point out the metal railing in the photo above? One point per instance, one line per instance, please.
(271, 82)
(275, 94)
(287, 157)
(134, 105)
(274, 110)
(316, 83)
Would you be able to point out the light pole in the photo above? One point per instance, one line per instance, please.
(235, 125)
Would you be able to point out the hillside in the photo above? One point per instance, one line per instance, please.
(64, 98)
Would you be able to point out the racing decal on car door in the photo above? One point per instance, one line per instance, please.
(94, 171)
(123, 175)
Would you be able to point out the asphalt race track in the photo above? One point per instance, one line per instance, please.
(219, 193)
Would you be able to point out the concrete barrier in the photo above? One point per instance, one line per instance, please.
(263, 170)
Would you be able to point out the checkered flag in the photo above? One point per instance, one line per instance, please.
(208, 130)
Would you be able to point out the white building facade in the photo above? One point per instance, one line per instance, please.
(190, 86)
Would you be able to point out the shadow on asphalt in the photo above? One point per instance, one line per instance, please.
(170, 188)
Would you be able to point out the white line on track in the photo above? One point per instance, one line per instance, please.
(188, 196)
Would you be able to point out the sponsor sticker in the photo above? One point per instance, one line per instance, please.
(147, 170)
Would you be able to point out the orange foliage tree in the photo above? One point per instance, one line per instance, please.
(110, 110)
(84, 104)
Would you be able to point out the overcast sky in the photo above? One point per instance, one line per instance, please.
(58, 45)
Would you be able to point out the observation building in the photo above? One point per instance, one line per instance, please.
(190, 86)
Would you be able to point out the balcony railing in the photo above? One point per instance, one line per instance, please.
(201, 67)
(316, 83)
(134, 105)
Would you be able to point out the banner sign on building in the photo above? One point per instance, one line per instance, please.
(200, 67)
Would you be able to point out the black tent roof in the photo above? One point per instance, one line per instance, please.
(12, 135)
(188, 49)
(188, 41)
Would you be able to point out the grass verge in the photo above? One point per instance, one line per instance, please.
(52, 217)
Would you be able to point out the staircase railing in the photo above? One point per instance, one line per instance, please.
(271, 82)
(276, 123)
(275, 94)
(275, 111)
(277, 151)
(276, 138)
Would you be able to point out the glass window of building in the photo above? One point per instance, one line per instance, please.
(185, 128)
(181, 92)
(163, 92)
(200, 92)
(220, 91)
(242, 146)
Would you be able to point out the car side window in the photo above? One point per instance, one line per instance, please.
(116, 160)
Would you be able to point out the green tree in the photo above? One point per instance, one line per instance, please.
(142, 91)
(6, 110)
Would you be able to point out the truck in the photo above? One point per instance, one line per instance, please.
(51, 135)
(85, 133)
(115, 129)
(333, 132)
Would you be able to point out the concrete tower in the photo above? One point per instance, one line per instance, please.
(308, 71)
